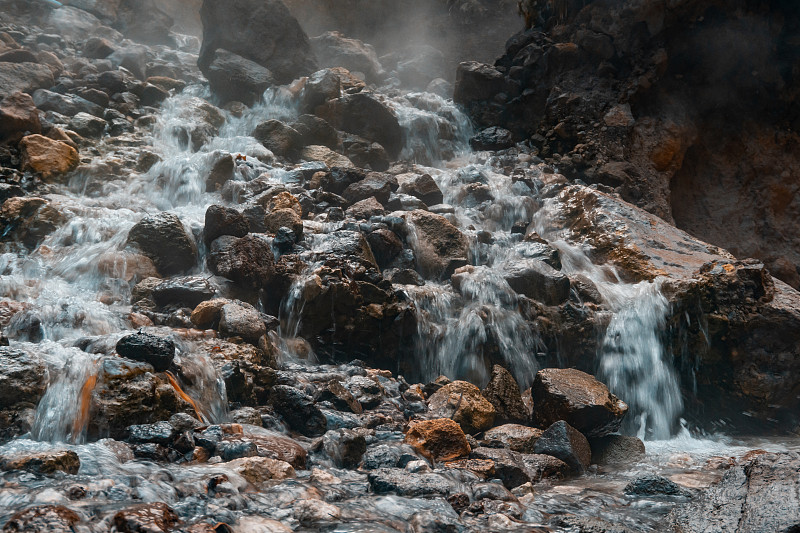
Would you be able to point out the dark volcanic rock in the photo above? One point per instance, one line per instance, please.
(538, 280)
(504, 394)
(566, 443)
(221, 221)
(493, 138)
(402, 483)
(262, 31)
(363, 114)
(650, 485)
(23, 381)
(232, 77)
(579, 399)
(299, 410)
(247, 261)
(616, 450)
(163, 239)
(759, 495)
(156, 351)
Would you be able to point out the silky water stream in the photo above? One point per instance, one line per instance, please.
(77, 285)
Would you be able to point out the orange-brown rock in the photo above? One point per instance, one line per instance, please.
(50, 518)
(577, 398)
(151, 517)
(483, 468)
(47, 157)
(18, 115)
(439, 439)
(206, 314)
(464, 403)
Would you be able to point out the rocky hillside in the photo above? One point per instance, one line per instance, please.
(688, 109)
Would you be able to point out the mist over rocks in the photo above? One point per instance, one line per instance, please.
(262, 31)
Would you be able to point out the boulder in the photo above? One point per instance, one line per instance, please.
(515, 437)
(320, 87)
(65, 104)
(149, 517)
(345, 447)
(220, 220)
(365, 115)
(298, 410)
(23, 382)
(316, 131)
(49, 158)
(151, 349)
(423, 187)
(248, 261)
(241, 320)
(29, 219)
(537, 280)
(385, 245)
(577, 398)
(516, 469)
(234, 78)
(760, 494)
(18, 117)
(206, 314)
(463, 403)
(476, 82)
(184, 291)
(503, 393)
(440, 439)
(87, 125)
(326, 155)
(564, 442)
(222, 166)
(46, 463)
(49, 518)
(366, 209)
(24, 78)
(98, 48)
(163, 238)
(262, 31)
(617, 450)
(257, 470)
(279, 138)
(650, 485)
(332, 49)
(493, 138)
(284, 218)
(411, 485)
(439, 246)
(374, 185)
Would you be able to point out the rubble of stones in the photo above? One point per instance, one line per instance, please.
(313, 437)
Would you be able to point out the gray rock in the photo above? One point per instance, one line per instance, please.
(758, 495)
(537, 280)
(233, 77)
(87, 125)
(263, 31)
(242, 320)
(333, 49)
(163, 239)
(68, 105)
(566, 443)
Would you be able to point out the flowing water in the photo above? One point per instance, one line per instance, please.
(77, 284)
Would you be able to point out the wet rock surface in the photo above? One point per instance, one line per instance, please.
(304, 251)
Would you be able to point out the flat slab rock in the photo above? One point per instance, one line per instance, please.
(760, 495)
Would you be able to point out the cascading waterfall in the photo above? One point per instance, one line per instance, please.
(632, 359)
